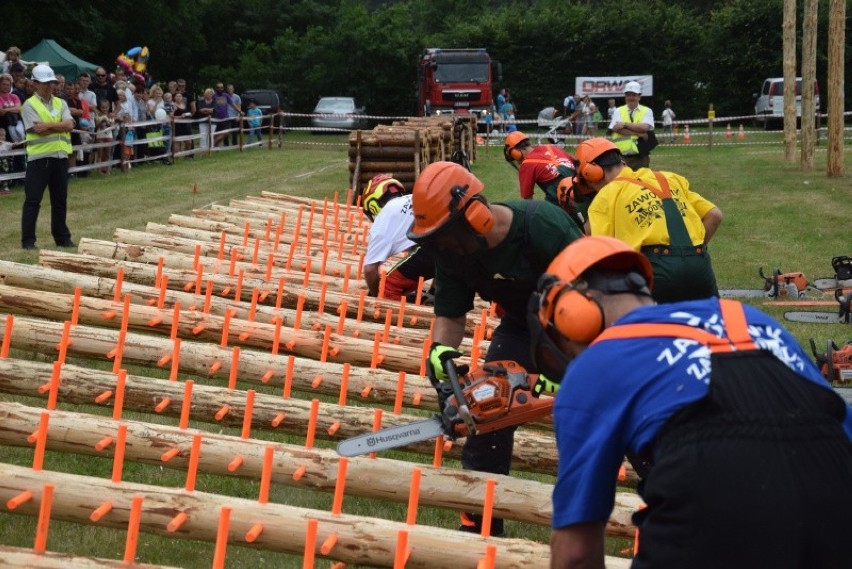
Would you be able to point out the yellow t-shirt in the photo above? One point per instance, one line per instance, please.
(635, 215)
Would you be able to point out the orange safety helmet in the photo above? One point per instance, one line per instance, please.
(510, 146)
(379, 191)
(589, 153)
(442, 192)
(564, 304)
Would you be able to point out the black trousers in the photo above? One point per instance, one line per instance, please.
(44, 173)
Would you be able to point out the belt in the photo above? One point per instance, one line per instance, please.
(678, 250)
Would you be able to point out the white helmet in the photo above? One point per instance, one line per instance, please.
(43, 74)
(633, 87)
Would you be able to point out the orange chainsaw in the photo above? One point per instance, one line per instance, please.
(835, 363)
(493, 397)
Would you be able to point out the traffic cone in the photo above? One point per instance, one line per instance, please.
(686, 134)
(728, 133)
(741, 133)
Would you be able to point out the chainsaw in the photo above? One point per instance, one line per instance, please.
(842, 316)
(834, 363)
(779, 285)
(493, 397)
(842, 266)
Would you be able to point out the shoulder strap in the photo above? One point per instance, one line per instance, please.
(663, 192)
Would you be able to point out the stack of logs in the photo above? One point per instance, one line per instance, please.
(406, 147)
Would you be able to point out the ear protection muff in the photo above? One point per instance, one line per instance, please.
(591, 172)
(516, 154)
(577, 316)
(476, 212)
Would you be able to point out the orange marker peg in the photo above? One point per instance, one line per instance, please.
(7, 336)
(418, 297)
(335, 426)
(400, 391)
(276, 339)
(413, 496)
(21, 498)
(346, 275)
(175, 321)
(270, 262)
(192, 468)
(221, 254)
(41, 441)
(208, 296)
(366, 391)
(279, 295)
(169, 454)
(490, 558)
(221, 538)
(308, 238)
(388, 319)
(75, 307)
(199, 274)
(164, 286)
(299, 472)
(267, 376)
(344, 384)
(323, 291)
(268, 229)
(341, 321)
(159, 275)
(324, 263)
(437, 456)
(232, 267)
(289, 264)
(288, 376)
(214, 367)
(164, 359)
(307, 279)
(119, 279)
(64, 341)
(415, 400)
(186, 404)
(326, 337)
(43, 519)
(310, 545)
(176, 522)
(246, 231)
(377, 425)
(317, 381)
(300, 305)
(118, 455)
(266, 474)
(622, 473)
(360, 267)
(247, 414)
(104, 396)
(339, 486)
(328, 544)
(226, 323)
(253, 306)
(119, 394)
(488, 506)
(448, 445)
(103, 443)
(254, 532)
(402, 551)
(235, 463)
(100, 511)
(220, 414)
(238, 290)
(235, 366)
(196, 255)
(255, 250)
(162, 405)
(173, 372)
(312, 424)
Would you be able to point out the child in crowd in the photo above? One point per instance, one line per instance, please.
(254, 115)
(5, 162)
(104, 132)
(668, 121)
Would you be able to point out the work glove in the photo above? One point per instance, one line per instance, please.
(439, 355)
(544, 385)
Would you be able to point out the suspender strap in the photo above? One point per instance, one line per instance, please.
(676, 228)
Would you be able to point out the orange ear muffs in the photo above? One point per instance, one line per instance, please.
(591, 172)
(578, 317)
(478, 215)
(516, 154)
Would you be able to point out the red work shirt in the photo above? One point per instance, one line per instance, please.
(540, 167)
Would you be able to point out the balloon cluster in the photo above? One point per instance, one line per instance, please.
(134, 62)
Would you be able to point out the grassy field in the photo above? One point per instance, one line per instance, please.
(775, 216)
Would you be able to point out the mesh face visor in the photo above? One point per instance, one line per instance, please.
(548, 358)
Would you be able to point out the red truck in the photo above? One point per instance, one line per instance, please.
(455, 81)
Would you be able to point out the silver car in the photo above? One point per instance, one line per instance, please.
(338, 113)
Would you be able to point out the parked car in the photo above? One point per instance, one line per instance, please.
(769, 103)
(268, 101)
(338, 112)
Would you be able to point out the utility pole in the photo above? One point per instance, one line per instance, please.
(836, 68)
(809, 34)
(789, 69)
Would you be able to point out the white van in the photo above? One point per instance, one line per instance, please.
(769, 103)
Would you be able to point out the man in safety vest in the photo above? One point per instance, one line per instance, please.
(742, 446)
(48, 124)
(655, 213)
(630, 123)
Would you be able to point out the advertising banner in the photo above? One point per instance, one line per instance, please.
(598, 87)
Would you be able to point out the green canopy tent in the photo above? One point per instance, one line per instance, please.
(60, 59)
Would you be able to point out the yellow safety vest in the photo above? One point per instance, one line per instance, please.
(40, 145)
(627, 144)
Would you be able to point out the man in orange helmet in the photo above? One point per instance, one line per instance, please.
(545, 165)
(655, 213)
(743, 448)
(497, 251)
(388, 205)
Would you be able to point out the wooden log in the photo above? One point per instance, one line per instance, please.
(534, 451)
(385, 139)
(384, 153)
(209, 327)
(19, 557)
(362, 540)
(385, 166)
(514, 498)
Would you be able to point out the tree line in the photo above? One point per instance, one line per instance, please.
(699, 52)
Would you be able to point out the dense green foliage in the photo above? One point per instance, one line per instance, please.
(698, 52)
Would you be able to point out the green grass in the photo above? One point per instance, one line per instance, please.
(775, 216)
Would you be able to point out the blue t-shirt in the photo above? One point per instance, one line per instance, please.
(618, 393)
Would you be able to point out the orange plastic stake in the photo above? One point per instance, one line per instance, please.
(288, 376)
(341, 320)
(400, 318)
(339, 486)
(324, 262)
(199, 274)
(326, 338)
(246, 233)
(247, 414)
(344, 384)
(636, 536)
(225, 325)
(119, 394)
(164, 287)
(366, 391)
(235, 463)
(383, 277)
(290, 253)
(192, 468)
(418, 297)
(196, 255)
(270, 262)
(224, 410)
(255, 250)
(232, 267)
(278, 419)
(173, 372)
(402, 551)
(118, 351)
(328, 544)
(388, 320)
(41, 441)
(276, 339)
(169, 454)
(159, 275)
(335, 426)
(176, 522)
(43, 519)
(235, 366)
(21, 498)
(238, 290)
(307, 279)
(312, 424)
(360, 267)
(221, 254)
(162, 405)
(222, 538)
(308, 238)
(267, 376)
(53, 394)
(103, 443)
(119, 279)
(377, 425)
(317, 381)
(374, 358)
(323, 291)
(118, 455)
(400, 391)
(214, 367)
(64, 341)
(186, 404)
(266, 474)
(310, 545)
(279, 295)
(7, 336)
(75, 307)
(490, 558)
(175, 320)
(488, 507)
(103, 396)
(299, 472)
(254, 532)
(413, 496)
(208, 296)
(622, 473)
(362, 297)
(100, 511)
(437, 457)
